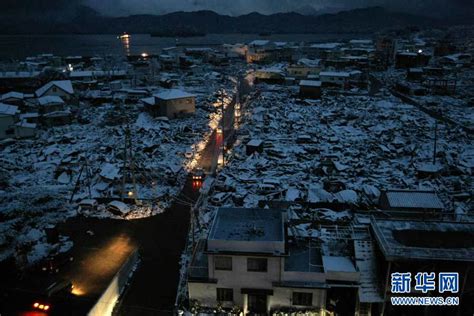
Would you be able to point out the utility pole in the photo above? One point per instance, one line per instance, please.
(85, 167)
(128, 165)
(435, 141)
(223, 127)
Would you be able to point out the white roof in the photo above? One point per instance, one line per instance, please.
(271, 69)
(50, 99)
(25, 124)
(172, 94)
(19, 74)
(64, 85)
(12, 94)
(309, 62)
(28, 115)
(326, 45)
(361, 41)
(310, 83)
(122, 207)
(255, 142)
(88, 202)
(6, 109)
(413, 199)
(259, 42)
(334, 74)
(96, 73)
(148, 101)
(199, 49)
(407, 54)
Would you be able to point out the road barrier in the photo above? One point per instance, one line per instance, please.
(106, 302)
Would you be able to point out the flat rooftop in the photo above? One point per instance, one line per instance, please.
(239, 224)
(402, 240)
(303, 257)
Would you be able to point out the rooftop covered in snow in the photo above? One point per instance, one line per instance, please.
(64, 85)
(402, 240)
(259, 42)
(50, 99)
(247, 230)
(6, 109)
(172, 94)
(310, 83)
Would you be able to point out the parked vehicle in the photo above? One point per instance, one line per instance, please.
(54, 264)
(198, 174)
(118, 208)
(87, 205)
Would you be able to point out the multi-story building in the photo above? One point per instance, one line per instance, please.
(248, 263)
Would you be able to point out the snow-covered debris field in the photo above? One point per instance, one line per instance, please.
(342, 149)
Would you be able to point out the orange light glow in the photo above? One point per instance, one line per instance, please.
(35, 305)
(41, 306)
(46, 307)
(77, 291)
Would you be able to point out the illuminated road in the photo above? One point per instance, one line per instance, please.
(98, 265)
(102, 245)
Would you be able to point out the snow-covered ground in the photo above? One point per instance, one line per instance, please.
(40, 175)
(340, 149)
(458, 107)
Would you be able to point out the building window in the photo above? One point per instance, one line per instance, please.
(302, 299)
(223, 263)
(225, 295)
(257, 264)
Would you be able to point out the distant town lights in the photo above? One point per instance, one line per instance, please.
(144, 55)
(420, 51)
(130, 193)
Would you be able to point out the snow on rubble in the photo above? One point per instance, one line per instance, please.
(343, 150)
(86, 157)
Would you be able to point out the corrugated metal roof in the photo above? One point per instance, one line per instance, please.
(414, 199)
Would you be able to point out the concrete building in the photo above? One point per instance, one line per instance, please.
(261, 51)
(303, 68)
(172, 103)
(334, 78)
(425, 246)
(270, 75)
(249, 263)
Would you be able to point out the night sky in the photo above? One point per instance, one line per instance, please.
(238, 7)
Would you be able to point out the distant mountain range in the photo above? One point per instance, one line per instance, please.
(83, 20)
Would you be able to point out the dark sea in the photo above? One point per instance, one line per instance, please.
(17, 47)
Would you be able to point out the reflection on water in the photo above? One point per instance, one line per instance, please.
(21, 46)
(126, 44)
